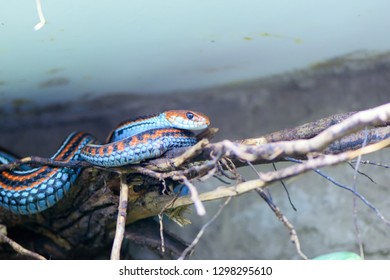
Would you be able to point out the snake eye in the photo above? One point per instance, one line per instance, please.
(189, 115)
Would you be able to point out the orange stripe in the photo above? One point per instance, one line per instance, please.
(133, 141)
(70, 144)
(23, 187)
(12, 177)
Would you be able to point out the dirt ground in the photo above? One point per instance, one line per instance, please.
(247, 229)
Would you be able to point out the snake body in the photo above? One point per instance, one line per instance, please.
(34, 190)
(145, 145)
(31, 190)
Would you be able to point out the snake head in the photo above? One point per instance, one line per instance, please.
(186, 119)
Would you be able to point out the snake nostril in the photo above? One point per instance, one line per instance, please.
(189, 115)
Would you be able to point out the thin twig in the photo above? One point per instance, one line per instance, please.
(359, 172)
(361, 197)
(35, 160)
(222, 170)
(286, 190)
(19, 248)
(293, 234)
(354, 201)
(160, 220)
(121, 218)
(233, 169)
(203, 229)
(200, 210)
(368, 162)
